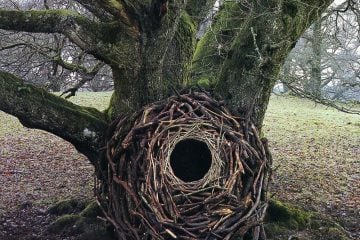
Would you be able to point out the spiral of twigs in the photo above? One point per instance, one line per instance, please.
(143, 198)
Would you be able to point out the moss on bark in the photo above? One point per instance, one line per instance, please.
(284, 220)
(83, 126)
(242, 54)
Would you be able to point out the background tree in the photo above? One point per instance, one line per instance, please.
(150, 48)
(323, 65)
(51, 61)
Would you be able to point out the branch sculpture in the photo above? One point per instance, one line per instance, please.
(186, 169)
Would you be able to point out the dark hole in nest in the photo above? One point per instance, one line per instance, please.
(190, 160)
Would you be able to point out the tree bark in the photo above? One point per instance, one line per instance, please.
(84, 127)
(313, 86)
(242, 54)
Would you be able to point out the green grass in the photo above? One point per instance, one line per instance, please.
(299, 115)
(98, 100)
(316, 154)
(9, 125)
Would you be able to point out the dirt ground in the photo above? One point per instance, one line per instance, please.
(34, 178)
(36, 170)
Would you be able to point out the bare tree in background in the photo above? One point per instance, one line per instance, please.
(324, 65)
(50, 60)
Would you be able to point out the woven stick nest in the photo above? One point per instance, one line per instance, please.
(151, 190)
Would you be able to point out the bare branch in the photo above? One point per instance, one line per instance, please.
(12, 46)
(86, 77)
(326, 102)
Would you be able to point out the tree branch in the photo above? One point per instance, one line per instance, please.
(40, 21)
(35, 108)
(86, 77)
(89, 35)
(12, 46)
(115, 8)
(77, 28)
(95, 8)
(326, 102)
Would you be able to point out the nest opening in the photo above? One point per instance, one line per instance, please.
(190, 160)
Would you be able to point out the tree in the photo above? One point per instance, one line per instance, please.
(51, 61)
(323, 64)
(151, 49)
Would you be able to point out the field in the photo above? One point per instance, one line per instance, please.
(315, 149)
(316, 154)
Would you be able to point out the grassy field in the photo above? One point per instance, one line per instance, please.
(316, 154)
(316, 157)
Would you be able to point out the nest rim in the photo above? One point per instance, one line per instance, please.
(193, 132)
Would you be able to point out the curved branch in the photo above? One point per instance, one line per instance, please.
(12, 46)
(77, 28)
(40, 21)
(326, 102)
(85, 33)
(35, 108)
(86, 77)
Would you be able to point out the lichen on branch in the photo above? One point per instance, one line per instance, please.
(44, 21)
(84, 127)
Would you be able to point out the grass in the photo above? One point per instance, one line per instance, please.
(316, 152)
(316, 156)
(99, 100)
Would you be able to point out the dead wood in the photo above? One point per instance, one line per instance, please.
(144, 196)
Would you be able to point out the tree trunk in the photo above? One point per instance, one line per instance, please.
(313, 86)
(241, 58)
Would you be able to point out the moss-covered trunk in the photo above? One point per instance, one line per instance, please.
(158, 63)
(149, 46)
(240, 57)
(313, 85)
